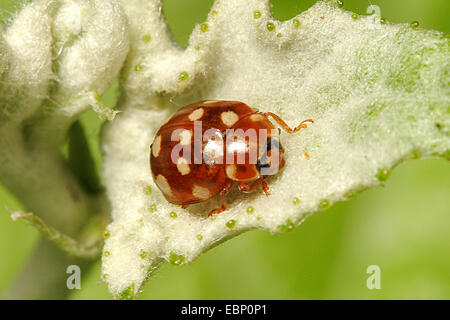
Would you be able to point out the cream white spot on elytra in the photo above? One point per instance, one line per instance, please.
(163, 185)
(229, 118)
(213, 152)
(183, 166)
(156, 146)
(185, 137)
(201, 192)
(231, 170)
(196, 114)
(257, 117)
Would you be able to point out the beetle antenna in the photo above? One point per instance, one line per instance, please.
(284, 125)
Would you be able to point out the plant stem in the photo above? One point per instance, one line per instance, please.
(73, 247)
(39, 176)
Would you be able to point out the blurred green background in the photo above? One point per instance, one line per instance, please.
(402, 227)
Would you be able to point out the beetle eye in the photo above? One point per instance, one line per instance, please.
(269, 162)
(262, 163)
(272, 143)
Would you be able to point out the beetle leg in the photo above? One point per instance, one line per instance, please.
(247, 188)
(223, 199)
(284, 125)
(265, 187)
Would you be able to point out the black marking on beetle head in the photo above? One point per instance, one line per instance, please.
(271, 144)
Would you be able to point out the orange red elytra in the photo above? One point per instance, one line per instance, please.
(206, 147)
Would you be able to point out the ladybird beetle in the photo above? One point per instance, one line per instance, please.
(206, 147)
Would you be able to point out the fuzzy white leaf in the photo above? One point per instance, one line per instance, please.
(378, 96)
(57, 51)
(55, 57)
(27, 58)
